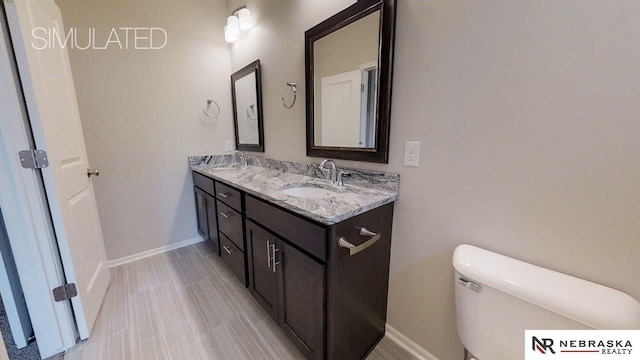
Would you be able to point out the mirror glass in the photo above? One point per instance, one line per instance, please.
(349, 71)
(346, 86)
(246, 90)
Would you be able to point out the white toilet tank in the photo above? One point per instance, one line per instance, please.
(498, 298)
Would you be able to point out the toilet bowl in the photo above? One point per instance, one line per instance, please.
(498, 298)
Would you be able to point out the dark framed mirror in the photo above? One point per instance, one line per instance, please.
(349, 71)
(246, 92)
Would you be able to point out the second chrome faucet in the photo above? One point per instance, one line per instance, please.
(243, 158)
(332, 174)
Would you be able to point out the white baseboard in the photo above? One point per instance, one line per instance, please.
(156, 251)
(407, 344)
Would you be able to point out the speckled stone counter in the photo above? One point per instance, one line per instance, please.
(266, 178)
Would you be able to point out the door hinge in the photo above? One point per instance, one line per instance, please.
(34, 159)
(64, 292)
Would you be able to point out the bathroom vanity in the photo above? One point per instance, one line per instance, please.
(319, 266)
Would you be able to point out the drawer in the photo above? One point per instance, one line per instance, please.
(234, 258)
(230, 223)
(296, 230)
(229, 196)
(203, 183)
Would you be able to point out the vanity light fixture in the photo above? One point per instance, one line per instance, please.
(240, 19)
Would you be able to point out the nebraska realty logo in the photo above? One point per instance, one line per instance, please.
(581, 344)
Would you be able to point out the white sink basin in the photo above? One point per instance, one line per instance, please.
(309, 192)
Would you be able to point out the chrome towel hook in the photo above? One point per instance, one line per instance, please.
(252, 110)
(295, 94)
(206, 112)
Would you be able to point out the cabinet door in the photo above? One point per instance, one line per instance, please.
(212, 221)
(263, 280)
(201, 212)
(302, 299)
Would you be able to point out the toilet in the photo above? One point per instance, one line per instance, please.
(498, 298)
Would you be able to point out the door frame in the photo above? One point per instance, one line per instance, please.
(27, 216)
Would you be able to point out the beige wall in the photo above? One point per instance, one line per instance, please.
(527, 112)
(141, 114)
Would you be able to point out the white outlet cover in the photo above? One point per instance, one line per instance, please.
(412, 153)
(228, 146)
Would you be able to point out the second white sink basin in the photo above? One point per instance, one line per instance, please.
(309, 192)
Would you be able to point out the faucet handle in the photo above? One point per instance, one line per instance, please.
(342, 173)
(326, 173)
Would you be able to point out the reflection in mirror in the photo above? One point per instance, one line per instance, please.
(349, 71)
(246, 90)
(346, 86)
(246, 99)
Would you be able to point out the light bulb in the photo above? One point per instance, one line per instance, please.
(231, 34)
(244, 17)
(233, 22)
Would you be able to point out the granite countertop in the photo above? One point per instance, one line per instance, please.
(267, 184)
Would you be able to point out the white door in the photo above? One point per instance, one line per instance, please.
(53, 111)
(341, 95)
(13, 299)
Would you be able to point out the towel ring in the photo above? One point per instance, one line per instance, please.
(209, 102)
(295, 94)
(251, 109)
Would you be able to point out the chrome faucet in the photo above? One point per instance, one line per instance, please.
(243, 158)
(329, 174)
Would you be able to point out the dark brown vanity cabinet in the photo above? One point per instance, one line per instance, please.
(206, 210)
(290, 287)
(231, 226)
(331, 301)
(324, 285)
(219, 210)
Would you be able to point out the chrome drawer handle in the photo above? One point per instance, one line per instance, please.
(226, 216)
(268, 254)
(353, 249)
(224, 195)
(273, 256)
(229, 251)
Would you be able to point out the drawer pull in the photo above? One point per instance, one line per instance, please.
(229, 251)
(226, 216)
(268, 254)
(353, 249)
(273, 256)
(224, 195)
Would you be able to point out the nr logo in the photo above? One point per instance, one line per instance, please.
(542, 345)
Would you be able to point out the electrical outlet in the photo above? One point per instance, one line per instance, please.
(228, 146)
(412, 153)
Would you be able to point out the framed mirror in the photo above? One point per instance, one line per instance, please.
(349, 68)
(246, 92)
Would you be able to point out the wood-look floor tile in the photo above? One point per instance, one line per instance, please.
(144, 317)
(118, 346)
(243, 302)
(252, 345)
(213, 307)
(388, 350)
(186, 304)
(180, 342)
(153, 349)
(279, 344)
(218, 268)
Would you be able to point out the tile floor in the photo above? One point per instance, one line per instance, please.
(186, 304)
